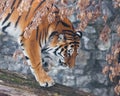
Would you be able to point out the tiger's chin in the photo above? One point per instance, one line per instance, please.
(49, 65)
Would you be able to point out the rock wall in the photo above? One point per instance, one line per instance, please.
(87, 74)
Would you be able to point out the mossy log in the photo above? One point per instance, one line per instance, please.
(14, 84)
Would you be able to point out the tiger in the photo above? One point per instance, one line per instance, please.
(57, 41)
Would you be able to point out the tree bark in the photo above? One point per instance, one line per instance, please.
(14, 84)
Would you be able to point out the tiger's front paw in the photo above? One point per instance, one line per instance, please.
(47, 82)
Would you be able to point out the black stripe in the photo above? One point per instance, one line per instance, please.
(69, 38)
(53, 34)
(27, 13)
(21, 44)
(39, 5)
(8, 16)
(48, 57)
(65, 24)
(22, 34)
(29, 9)
(20, 41)
(74, 42)
(72, 33)
(37, 30)
(55, 52)
(13, 4)
(68, 31)
(45, 37)
(27, 58)
(31, 2)
(44, 50)
(17, 21)
(3, 29)
(19, 3)
(119, 57)
(40, 40)
(4, 6)
(56, 11)
(61, 51)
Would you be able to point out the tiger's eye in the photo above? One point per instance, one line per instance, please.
(65, 47)
(72, 46)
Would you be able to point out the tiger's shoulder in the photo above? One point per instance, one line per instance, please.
(26, 15)
(19, 12)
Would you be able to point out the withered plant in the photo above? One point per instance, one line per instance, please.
(87, 11)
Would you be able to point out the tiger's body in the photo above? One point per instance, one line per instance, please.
(56, 41)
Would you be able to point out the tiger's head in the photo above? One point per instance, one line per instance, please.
(63, 43)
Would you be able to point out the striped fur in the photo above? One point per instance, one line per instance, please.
(56, 41)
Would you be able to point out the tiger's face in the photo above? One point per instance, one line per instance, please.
(66, 47)
(63, 45)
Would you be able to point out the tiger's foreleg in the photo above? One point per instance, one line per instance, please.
(32, 53)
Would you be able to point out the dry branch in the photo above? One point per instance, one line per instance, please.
(22, 84)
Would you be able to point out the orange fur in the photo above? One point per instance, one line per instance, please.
(32, 47)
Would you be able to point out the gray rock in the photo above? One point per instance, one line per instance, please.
(90, 29)
(103, 46)
(82, 81)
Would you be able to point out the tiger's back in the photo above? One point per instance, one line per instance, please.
(14, 23)
(57, 41)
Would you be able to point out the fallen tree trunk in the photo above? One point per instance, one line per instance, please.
(13, 84)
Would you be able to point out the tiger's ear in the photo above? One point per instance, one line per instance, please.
(79, 33)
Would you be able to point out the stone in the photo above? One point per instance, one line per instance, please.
(83, 55)
(90, 29)
(5, 39)
(103, 92)
(78, 71)
(103, 46)
(69, 80)
(89, 44)
(101, 78)
(106, 9)
(86, 90)
(82, 81)
(72, 18)
(82, 58)
(100, 55)
(115, 37)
